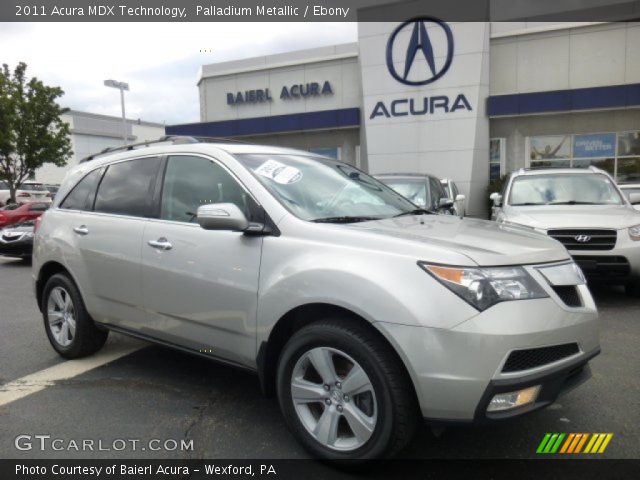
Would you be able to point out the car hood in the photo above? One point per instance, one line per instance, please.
(484, 242)
(574, 216)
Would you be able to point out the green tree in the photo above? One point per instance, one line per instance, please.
(31, 130)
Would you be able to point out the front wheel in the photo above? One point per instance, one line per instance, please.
(344, 393)
(69, 327)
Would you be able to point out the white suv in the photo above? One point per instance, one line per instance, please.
(28, 192)
(585, 211)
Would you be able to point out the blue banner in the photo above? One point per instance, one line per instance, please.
(596, 145)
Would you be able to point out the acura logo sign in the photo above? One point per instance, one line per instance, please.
(582, 238)
(420, 48)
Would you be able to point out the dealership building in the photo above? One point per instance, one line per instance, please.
(468, 101)
(91, 133)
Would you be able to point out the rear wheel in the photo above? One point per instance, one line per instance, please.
(344, 393)
(70, 329)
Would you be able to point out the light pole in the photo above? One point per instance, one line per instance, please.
(122, 86)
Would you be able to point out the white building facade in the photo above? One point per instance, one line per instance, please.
(91, 133)
(469, 101)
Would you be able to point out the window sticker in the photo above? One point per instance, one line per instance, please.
(278, 172)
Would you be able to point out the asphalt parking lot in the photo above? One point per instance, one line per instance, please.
(156, 393)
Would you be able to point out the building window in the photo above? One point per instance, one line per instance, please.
(331, 152)
(628, 161)
(616, 153)
(496, 158)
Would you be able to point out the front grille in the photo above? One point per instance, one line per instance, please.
(580, 239)
(11, 238)
(603, 266)
(569, 295)
(537, 357)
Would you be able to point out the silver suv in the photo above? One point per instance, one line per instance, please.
(360, 311)
(585, 211)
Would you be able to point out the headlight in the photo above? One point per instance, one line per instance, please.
(634, 232)
(484, 287)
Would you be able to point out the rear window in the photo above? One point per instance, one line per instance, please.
(127, 188)
(33, 187)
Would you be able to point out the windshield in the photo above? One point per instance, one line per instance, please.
(413, 189)
(563, 189)
(320, 189)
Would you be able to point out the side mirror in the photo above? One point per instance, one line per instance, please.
(634, 198)
(496, 198)
(445, 202)
(222, 216)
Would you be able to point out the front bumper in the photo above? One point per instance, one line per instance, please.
(16, 249)
(457, 371)
(618, 265)
(554, 382)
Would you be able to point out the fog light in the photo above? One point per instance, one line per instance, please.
(519, 398)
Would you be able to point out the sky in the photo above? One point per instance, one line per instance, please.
(160, 61)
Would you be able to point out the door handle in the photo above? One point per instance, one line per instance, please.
(81, 230)
(161, 244)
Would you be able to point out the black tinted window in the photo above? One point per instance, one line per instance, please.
(436, 191)
(193, 181)
(82, 195)
(127, 188)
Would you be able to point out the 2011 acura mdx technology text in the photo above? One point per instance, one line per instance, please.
(360, 311)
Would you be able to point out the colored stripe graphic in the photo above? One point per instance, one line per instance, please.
(573, 443)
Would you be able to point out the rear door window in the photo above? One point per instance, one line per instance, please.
(83, 194)
(127, 188)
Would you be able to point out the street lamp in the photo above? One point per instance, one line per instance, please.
(122, 86)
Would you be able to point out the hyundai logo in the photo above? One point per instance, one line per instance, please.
(582, 238)
(420, 42)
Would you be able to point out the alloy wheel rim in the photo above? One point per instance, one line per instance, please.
(61, 316)
(334, 399)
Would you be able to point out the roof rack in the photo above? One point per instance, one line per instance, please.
(173, 139)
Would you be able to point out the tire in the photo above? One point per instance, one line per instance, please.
(62, 307)
(387, 407)
(632, 289)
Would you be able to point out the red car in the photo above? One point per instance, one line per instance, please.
(12, 214)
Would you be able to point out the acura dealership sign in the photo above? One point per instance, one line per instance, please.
(420, 43)
(436, 58)
(260, 95)
(425, 83)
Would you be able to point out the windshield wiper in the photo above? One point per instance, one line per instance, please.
(344, 219)
(527, 204)
(417, 211)
(573, 202)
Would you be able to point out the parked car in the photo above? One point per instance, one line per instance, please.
(363, 313)
(451, 189)
(425, 191)
(17, 240)
(631, 188)
(52, 189)
(586, 212)
(28, 192)
(13, 214)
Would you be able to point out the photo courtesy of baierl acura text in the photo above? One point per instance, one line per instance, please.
(319, 239)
